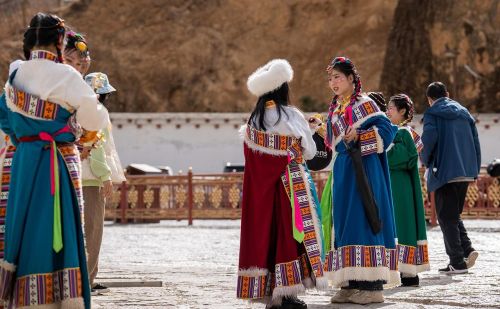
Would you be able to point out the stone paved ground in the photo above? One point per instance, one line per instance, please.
(197, 266)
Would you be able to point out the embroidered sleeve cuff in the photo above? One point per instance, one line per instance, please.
(370, 141)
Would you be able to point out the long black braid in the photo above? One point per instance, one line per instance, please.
(44, 30)
(379, 99)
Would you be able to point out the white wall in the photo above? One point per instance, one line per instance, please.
(173, 139)
(207, 149)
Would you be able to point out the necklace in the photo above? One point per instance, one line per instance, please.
(343, 105)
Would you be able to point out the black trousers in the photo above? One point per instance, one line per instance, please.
(450, 200)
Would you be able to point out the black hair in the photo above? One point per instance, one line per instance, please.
(379, 99)
(346, 66)
(103, 97)
(44, 30)
(72, 39)
(402, 101)
(279, 96)
(436, 90)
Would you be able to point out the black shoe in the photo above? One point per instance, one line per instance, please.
(410, 281)
(293, 303)
(100, 289)
(454, 269)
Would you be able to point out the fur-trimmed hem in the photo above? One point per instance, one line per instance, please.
(361, 273)
(8, 266)
(308, 283)
(413, 270)
(322, 283)
(394, 279)
(70, 303)
(253, 272)
(329, 275)
(7, 273)
(291, 290)
(380, 141)
(421, 242)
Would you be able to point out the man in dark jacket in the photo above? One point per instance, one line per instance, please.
(452, 155)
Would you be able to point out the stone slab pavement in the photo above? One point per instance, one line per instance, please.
(197, 268)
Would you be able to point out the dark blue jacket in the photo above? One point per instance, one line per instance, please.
(451, 145)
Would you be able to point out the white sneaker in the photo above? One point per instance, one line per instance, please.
(471, 259)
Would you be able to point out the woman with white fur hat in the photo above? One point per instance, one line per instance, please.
(281, 242)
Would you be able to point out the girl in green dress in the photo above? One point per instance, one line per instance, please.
(407, 192)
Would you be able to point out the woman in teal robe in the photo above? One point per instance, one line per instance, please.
(44, 264)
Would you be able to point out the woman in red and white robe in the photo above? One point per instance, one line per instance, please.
(281, 243)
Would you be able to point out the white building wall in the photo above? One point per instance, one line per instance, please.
(207, 141)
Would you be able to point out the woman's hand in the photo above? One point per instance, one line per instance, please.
(107, 189)
(351, 135)
(314, 123)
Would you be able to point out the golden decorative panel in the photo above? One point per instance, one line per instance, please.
(149, 197)
(234, 196)
(216, 197)
(180, 196)
(494, 193)
(164, 196)
(199, 196)
(133, 197)
(472, 195)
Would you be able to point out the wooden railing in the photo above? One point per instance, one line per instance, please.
(218, 196)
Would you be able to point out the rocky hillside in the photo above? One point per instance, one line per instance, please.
(195, 55)
(457, 42)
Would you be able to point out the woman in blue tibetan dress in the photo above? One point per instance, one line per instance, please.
(44, 263)
(363, 257)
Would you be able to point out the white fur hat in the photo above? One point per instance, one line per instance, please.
(270, 77)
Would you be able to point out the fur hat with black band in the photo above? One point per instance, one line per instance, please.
(270, 77)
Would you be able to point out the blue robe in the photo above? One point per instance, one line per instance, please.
(358, 253)
(42, 276)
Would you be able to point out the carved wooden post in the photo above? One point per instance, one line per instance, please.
(123, 202)
(190, 196)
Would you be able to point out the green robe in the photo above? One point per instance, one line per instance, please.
(408, 203)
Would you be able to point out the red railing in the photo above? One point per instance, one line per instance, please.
(218, 196)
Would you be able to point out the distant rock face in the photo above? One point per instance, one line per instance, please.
(195, 55)
(456, 42)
